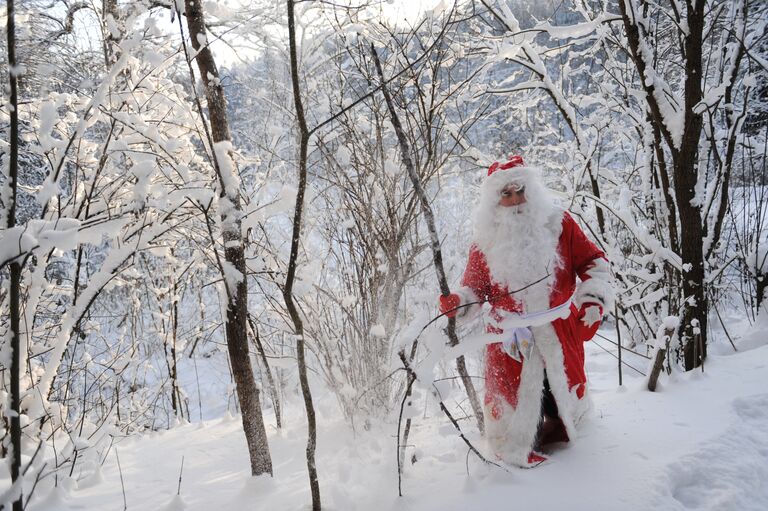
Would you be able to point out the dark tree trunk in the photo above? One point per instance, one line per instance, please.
(293, 311)
(693, 328)
(685, 154)
(234, 254)
(761, 283)
(596, 192)
(15, 291)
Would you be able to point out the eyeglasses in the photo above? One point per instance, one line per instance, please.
(511, 189)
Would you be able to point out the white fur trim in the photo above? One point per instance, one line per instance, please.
(570, 408)
(512, 437)
(596, 290)
(592, 314)
(600, 269)
(466, 295)
(519, 175)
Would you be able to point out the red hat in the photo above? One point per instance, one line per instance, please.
(515, 160)
(515, 171)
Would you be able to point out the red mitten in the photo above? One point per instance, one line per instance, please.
(449, 303)
(588, 320)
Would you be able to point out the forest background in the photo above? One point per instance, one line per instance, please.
(279, 191)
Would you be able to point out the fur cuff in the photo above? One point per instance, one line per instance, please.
(597, 291)
(467, 296)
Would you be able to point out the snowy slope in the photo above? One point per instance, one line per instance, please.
(701, 442)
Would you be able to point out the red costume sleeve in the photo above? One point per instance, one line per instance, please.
(583, 251)
(589, 263)
(476, 276)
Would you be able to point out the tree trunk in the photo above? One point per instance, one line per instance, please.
(293, 311)
(173, 371)
(596, 192)
(685, 154)
(761, 284)
(693, 327)
(15, 270)
(234, 250)
(109, 41)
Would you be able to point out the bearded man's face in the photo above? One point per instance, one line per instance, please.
(512, 195)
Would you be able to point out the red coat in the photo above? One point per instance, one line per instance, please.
(513, 389)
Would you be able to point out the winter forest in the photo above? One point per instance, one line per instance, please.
(225, 227)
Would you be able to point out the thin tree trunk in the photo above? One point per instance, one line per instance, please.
(174, 366)
(596, 192)
(293, 311)
(173, 370)
(661, 181)
(15, 270)
(437, 255)
(733, 124)
(169, 366)
(618, 339)
(665, 189)
(407, 429)
(401, 447)
(270, 379)
(761, 284)
(234, 250)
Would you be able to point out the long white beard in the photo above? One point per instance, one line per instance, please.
(520, 247)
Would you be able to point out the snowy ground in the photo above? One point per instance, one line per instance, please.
(701, 442)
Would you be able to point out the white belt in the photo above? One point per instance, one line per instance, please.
(514, 320)
(517, 338)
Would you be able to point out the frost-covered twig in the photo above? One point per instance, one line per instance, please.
(437, 256)
(122, 483)
(181, 471)
(616, 357)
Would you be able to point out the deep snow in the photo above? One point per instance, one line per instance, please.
(700, 442)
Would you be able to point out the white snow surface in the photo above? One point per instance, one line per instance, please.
(700, 442)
